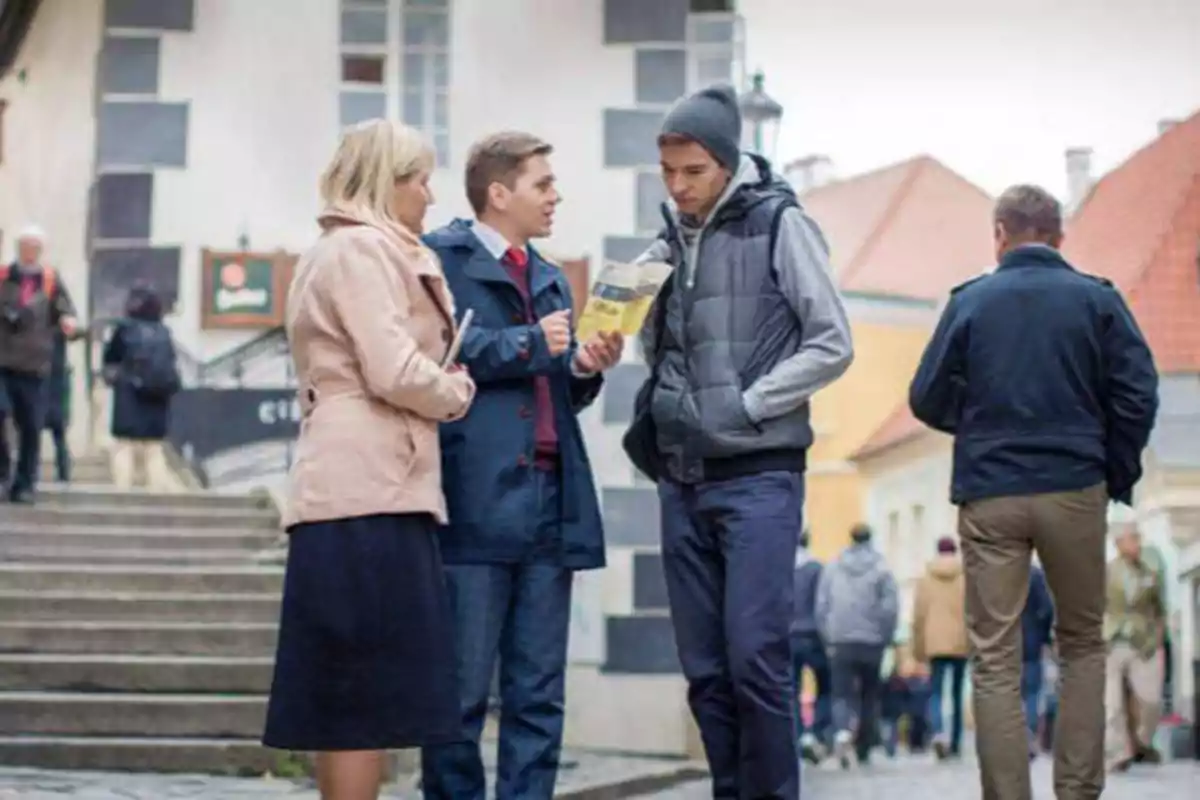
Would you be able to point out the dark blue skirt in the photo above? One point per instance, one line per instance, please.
(366, 658)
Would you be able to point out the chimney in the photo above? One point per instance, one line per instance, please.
(1079, 176)
(808, 173)
(1165, 125)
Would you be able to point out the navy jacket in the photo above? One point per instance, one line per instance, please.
(1043, 377)
(1037, 621)
(134, 416)
(806, 579)
(488, 456)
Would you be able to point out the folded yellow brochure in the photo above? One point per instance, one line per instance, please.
(621, 298)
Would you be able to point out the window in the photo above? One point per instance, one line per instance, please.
(918, 549)
(3, 106)
(395, 64)
(891, 546)
(716, 50)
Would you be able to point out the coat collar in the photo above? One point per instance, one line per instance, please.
(1033, 255)
(483, 266)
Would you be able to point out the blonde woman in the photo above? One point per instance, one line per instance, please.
(365, 660)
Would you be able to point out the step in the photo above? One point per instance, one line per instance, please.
(91, 537)
(121, 578)
(175, 715)
(44, 554)
(80, 606)
(91, 472)
(135, 516)
(232, 757)
(144, 638)
(73, 495)
(108, 672)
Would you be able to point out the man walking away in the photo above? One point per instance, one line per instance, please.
(140, 366)
(1045, 381)
(747, 328)
(34, 308)
(1037, 628)
(857, 611)
(523, 510)
(939, 638)
(58, 407)
(808, 651)
(1135, 623)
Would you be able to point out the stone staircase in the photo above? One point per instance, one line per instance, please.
(137, 630)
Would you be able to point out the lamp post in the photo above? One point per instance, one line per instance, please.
(764, 115)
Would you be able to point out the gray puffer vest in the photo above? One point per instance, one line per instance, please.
(725, 326)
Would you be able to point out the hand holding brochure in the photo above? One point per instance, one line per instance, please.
(621, 297)
(456, 345)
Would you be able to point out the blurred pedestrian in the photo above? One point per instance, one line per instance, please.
(857, 612)
(808, 652)
(35, 308)
(1050, 391)
(1135, 624)
(939, 638)
(1037, 628)
(141, 368)
(58, 407)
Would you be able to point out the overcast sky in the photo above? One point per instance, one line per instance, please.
(997, 89)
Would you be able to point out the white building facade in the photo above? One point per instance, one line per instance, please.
(142, 133)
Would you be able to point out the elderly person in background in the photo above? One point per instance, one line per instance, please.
(34, 308)
(366, 659)
(1135, 623)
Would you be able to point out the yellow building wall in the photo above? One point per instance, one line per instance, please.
(844, 417)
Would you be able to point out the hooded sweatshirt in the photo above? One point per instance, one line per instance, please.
(806, 580)
(939, 627)
(857, 601)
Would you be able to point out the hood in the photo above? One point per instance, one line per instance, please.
(945, 567)
(859, 559)
(754, 172)
(457, 234)
(340, 216)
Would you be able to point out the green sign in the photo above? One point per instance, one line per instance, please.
(243, 287)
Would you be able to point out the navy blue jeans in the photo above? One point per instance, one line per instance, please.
(24, 396)
(729, 549)
(808, 651)
(520, 613)
(954, 669)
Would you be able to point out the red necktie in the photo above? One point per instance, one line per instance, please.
(517, 257)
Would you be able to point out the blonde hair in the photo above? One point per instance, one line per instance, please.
(370, 158)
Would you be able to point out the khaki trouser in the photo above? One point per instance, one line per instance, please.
(138, 462)
(1144, 677)
(998, 536)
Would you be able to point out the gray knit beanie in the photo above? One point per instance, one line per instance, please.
(712, 118)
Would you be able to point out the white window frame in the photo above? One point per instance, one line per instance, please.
(394, 52)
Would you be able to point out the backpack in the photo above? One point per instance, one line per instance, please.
(149, 360)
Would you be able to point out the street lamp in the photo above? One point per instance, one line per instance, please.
(763, 114)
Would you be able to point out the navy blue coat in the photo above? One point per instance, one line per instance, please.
(1037, 620)
(1043, 377)
(488, 456)
(133, 415)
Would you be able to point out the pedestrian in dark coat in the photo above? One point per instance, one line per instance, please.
(139, 421)
(58, 407)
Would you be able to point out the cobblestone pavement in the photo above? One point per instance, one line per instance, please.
(581, 770)
(915, 777)
(919, 778)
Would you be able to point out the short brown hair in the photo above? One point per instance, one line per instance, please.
(1030, 212)
(499, 159)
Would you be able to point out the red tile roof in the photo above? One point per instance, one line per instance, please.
(899, 427)
(1140, 227)
(913, 229)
